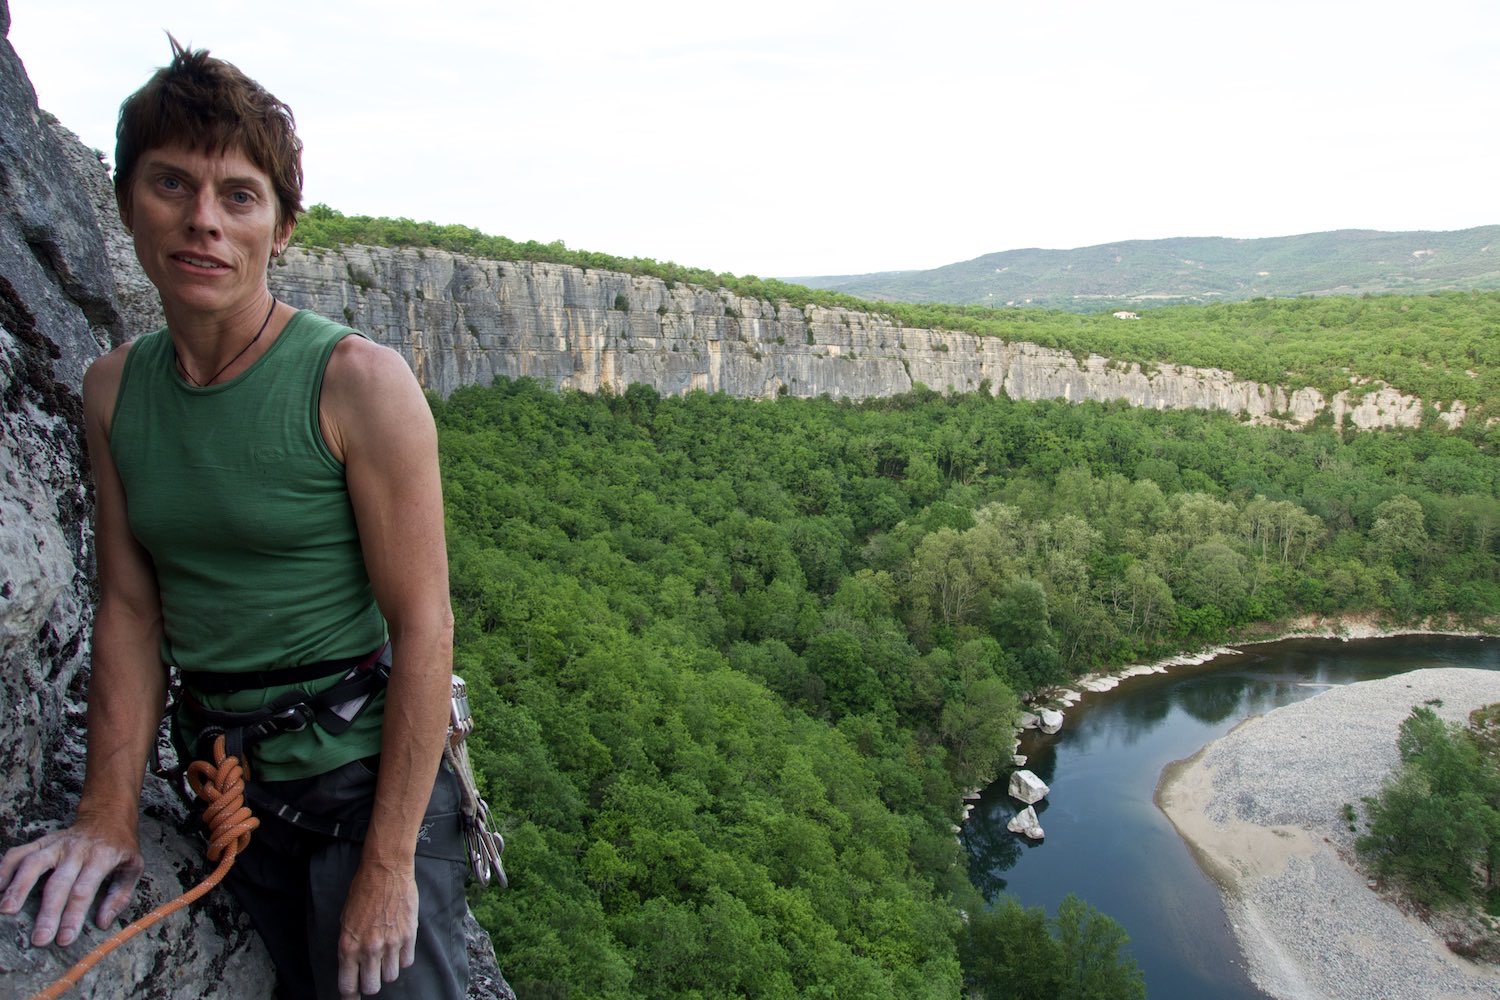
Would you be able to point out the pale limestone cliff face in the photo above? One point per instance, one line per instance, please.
(462, 321)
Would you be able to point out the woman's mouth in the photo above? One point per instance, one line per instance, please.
(204, 262)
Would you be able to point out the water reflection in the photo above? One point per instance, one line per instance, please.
(986, 838)
(1108, 843)
(1141, 715)
(1213, 703)
(1041, 759)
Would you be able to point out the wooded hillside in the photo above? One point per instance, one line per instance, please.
(736, 661)
(1144, 273)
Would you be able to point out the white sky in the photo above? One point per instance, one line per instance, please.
(800, 138)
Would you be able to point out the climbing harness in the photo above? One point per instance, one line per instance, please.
(485, 844)
(229, 737)
(334, 709)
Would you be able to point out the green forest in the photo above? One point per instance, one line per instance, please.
(1132, 274)
(735, 662)
(1435, 826)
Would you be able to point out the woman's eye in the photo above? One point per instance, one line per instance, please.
(170, 183)
(241, 198)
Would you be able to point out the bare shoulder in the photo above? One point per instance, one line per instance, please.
(370, 394)
(101, 386)
(359, 366)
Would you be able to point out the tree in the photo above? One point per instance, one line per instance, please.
(1438, 817)
(851, 683)
(1399, 532)
(1007, 951)
(1021, 622)
(977, 727)
(1151, 607)
(951, 573)
(1214, 575)
(1095, 965)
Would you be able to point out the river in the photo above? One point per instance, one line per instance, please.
(1107, 842)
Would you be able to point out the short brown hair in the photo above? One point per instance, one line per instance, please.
(208, 104)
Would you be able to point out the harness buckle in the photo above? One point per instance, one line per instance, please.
(292, 719)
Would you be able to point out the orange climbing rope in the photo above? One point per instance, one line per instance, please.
(222, 785)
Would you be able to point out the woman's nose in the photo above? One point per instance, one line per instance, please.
(204, 216)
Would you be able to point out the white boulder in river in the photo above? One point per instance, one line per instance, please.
(1026, 822)
(1027, 787)
(1051, 720)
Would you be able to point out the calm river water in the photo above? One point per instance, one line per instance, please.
(1108, 843)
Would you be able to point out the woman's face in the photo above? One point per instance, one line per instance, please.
(205, 224)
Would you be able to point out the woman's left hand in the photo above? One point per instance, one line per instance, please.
(378, 929)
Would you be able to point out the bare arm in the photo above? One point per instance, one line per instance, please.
(127, 692)
(376, 420)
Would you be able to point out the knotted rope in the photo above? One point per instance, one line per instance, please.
(222, 785)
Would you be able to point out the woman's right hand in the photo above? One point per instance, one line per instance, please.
(82, 859)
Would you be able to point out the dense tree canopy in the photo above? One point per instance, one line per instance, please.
(1435, 826)
(1010, 952)
(735, 661)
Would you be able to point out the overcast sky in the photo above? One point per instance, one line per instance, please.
(801, 138)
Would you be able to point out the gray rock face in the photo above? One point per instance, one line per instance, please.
(139, 305)
(56, 314)
(461, 321)
(59, 309)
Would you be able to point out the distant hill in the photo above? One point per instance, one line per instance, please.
(1140, 273)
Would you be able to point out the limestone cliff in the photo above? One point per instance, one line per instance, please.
(60, 307)
(461, 320)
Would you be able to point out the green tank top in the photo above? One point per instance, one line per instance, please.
(247, 518)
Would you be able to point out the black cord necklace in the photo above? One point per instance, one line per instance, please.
(210, 381)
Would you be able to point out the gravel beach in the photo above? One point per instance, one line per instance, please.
(1262, 809)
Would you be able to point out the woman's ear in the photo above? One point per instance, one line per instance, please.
(122, 202)
(283, 238)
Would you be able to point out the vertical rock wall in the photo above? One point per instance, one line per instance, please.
(58, 311)
(462, 320)
(62, 303)
(56, 314)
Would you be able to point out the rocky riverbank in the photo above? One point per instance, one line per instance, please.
(1344, 627)
(1262, 809)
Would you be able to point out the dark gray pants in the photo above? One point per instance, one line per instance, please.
(293, 882)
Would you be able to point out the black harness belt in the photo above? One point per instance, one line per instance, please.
(206, 682)
(334, 709)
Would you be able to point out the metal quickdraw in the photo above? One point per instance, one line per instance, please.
(485, 844)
